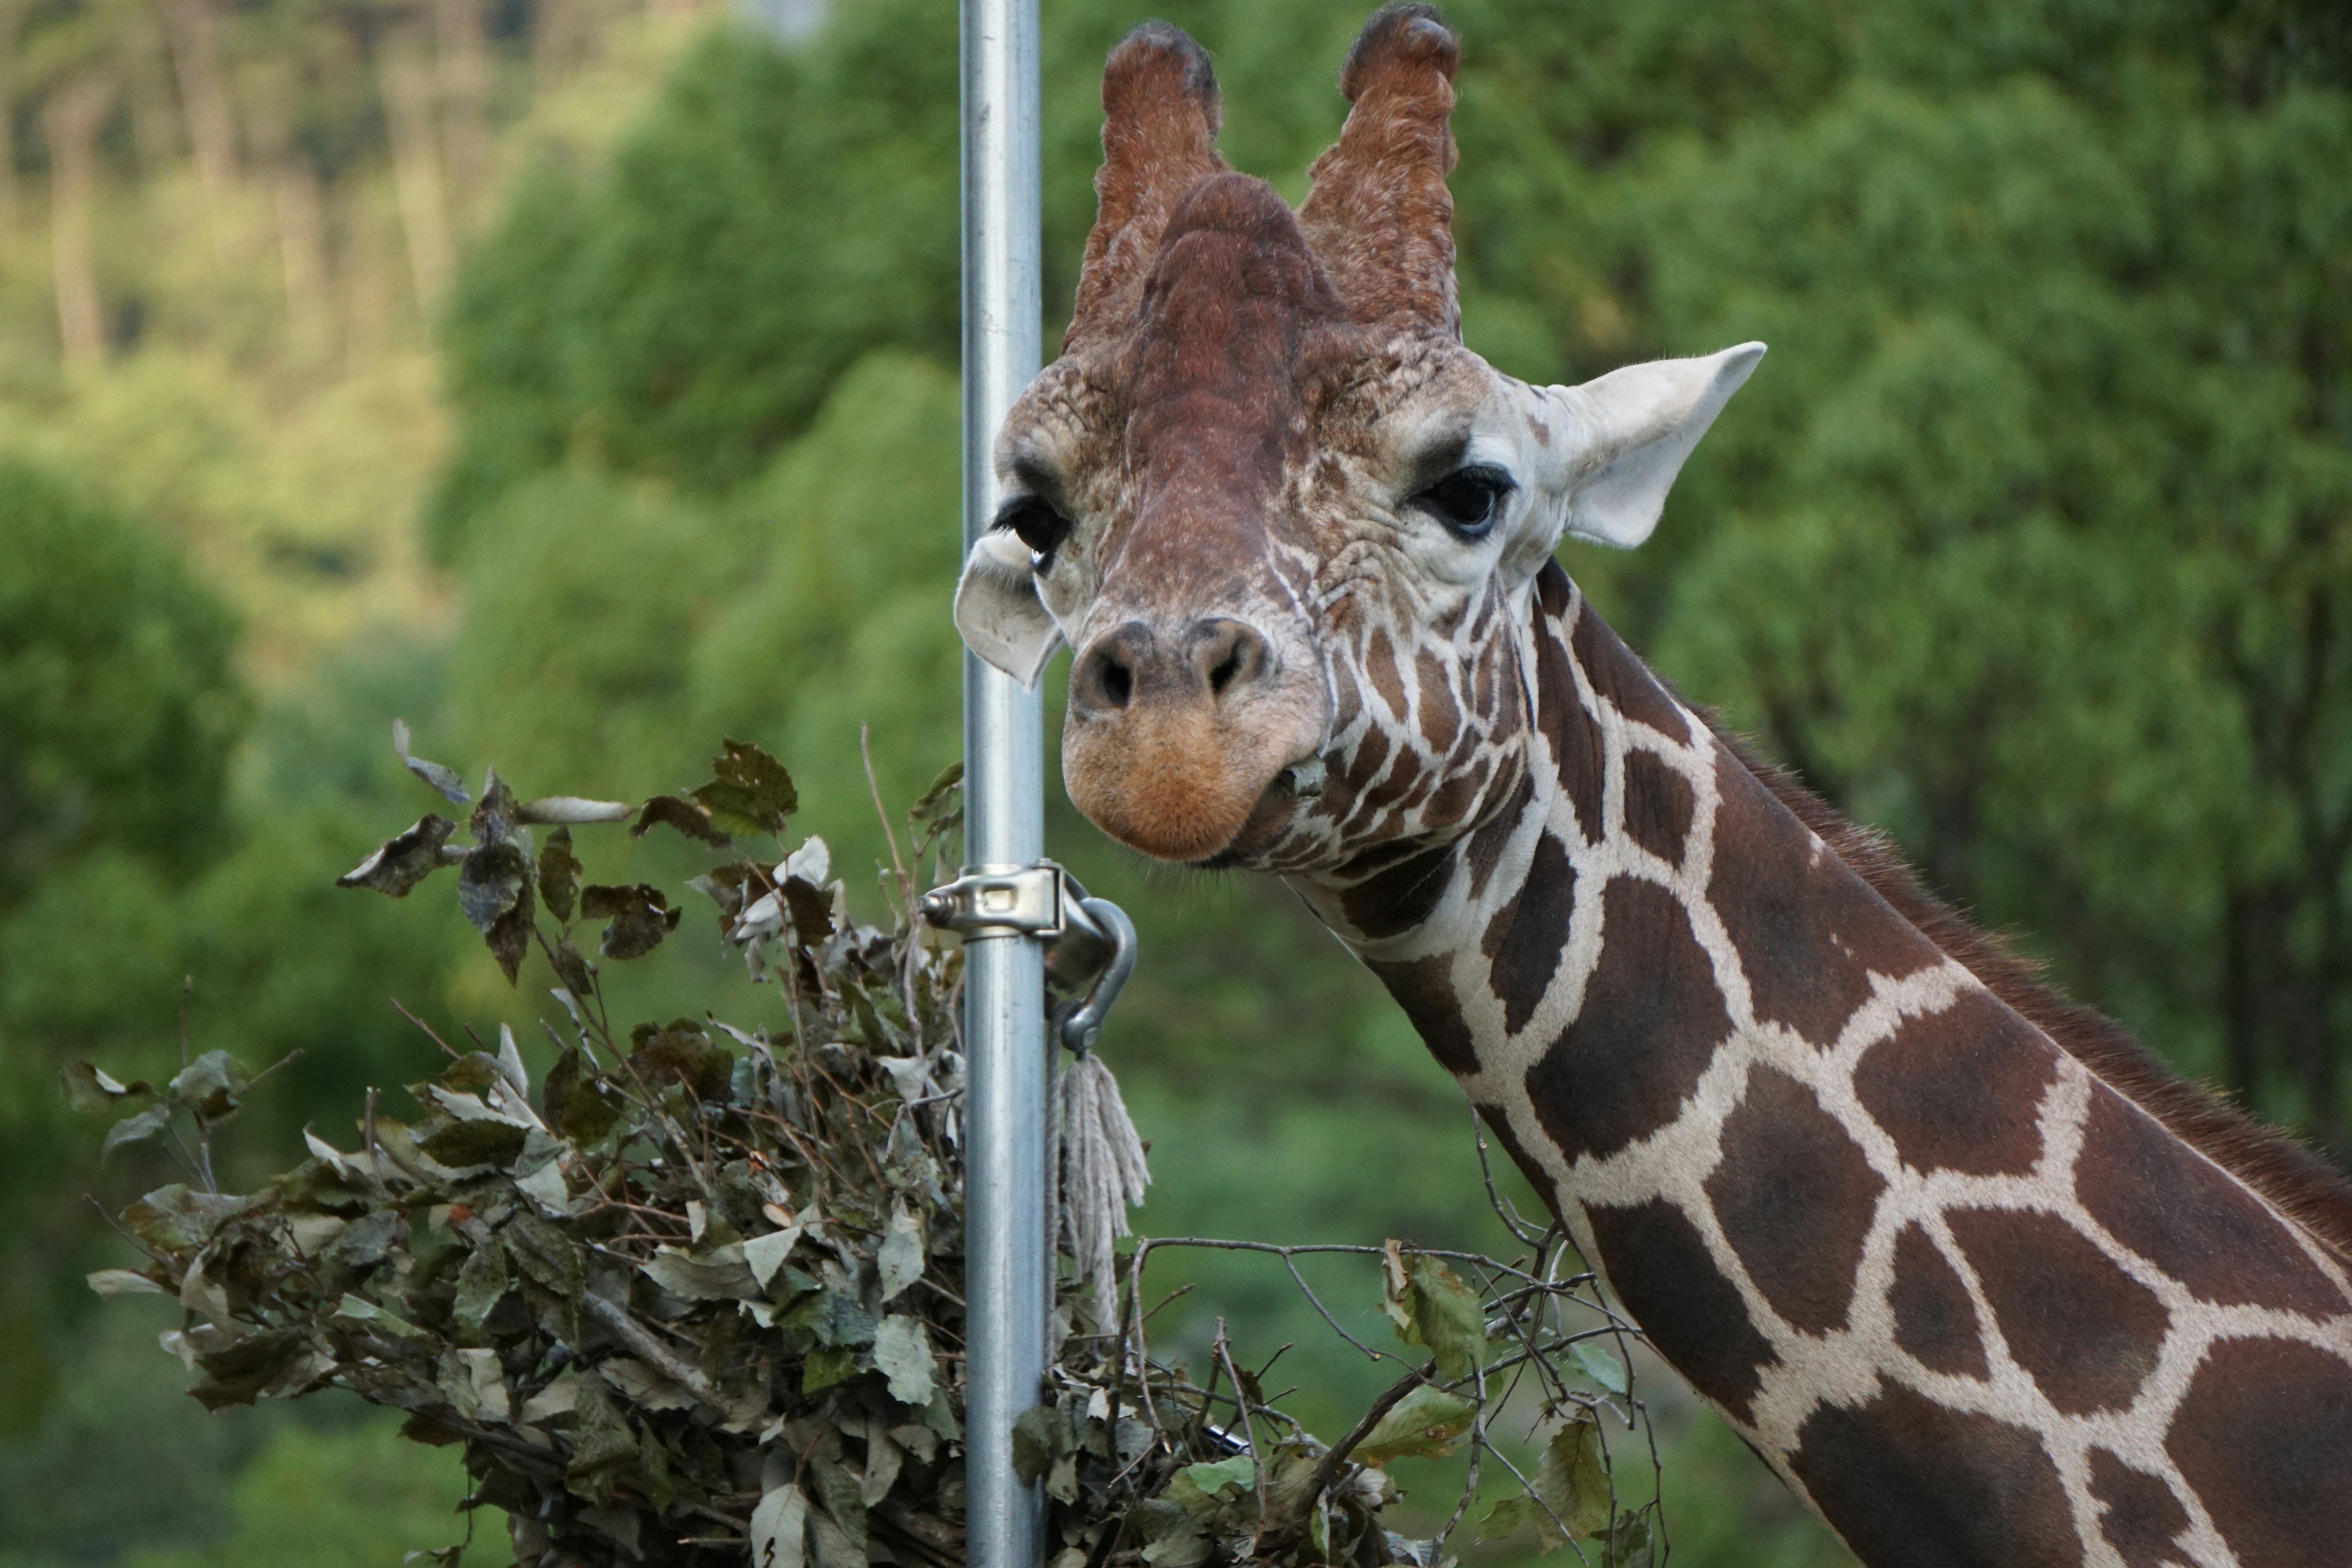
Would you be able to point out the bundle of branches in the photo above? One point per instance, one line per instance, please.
(696, 1295)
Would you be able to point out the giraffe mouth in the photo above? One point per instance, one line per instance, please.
(1277, 807)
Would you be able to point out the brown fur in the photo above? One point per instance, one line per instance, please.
(1161, 111)
(1380, 216)
(2303, 1185)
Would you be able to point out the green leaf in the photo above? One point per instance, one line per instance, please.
(1605, 1369)
(1430, 1306)
(271, 1364)
(213, 1086)
(1425, 1424)
(826, 1365)
(1570, 1490)
(1201, 1489)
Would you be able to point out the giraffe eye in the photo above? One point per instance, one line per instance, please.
(1465, 501)
(1038, 524)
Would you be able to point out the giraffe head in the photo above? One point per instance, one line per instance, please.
(1287, 523)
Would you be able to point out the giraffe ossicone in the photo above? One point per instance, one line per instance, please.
(1971, 1272)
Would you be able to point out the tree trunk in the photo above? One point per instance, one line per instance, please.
(463, 45)
(12, 19)
(302, 233)
(195, 33)
(416, 167)
(558, 28)
(70, 121)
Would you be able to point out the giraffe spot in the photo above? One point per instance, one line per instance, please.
(1659, 1266)
(1527, 936)
(1458, 796)
(2183, 1213)
(1484, 850)
(2088, 1332)
(1392, 902)
(2138, 1513)
(1795, 1196)
(1621, 680)
(1545, 1183)
(2265, 1438)
(1380, 666)
(1371, 756)
(1960, 1089)
(1658, 806)
(1912, 1484)
(1934, 1322)
(1424, 987)
(1810, 931)
(1574, 738)
(1441, 716)
(1651, 1021)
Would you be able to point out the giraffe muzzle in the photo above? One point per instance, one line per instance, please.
(1176, 729)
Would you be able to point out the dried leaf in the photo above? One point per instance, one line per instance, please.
(641, 917)
(399, 863)
(92, 1090)
(900, 1259)
(559, 875)
(902, 1352)
(750, 792)
(569, 810)
(575, 1101)
(124, 1282)
(673, 811)
(680, 1051)
(137, 1129)
(440, 778)
(211, 1087)
(721, 1276)
(780, 1528)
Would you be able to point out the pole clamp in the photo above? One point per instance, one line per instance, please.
(1089, 943)
(1001, 901)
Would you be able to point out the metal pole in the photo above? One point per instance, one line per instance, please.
(1006, 1258)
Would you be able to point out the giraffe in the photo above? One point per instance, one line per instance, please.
(1981, 1281)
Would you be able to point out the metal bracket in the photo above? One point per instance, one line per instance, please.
(1000, 900)
(1089, 943)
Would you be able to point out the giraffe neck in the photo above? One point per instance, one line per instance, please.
(1973, 1303)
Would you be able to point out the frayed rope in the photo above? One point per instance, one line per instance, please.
(1103, 1174)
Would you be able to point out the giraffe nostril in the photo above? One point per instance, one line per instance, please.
(1223, 676)
(1117, 683)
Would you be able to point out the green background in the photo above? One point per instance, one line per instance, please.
(2030, 543)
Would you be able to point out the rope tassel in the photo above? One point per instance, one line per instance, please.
(1103, 1174)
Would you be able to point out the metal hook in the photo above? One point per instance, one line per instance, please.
(1081, 1025)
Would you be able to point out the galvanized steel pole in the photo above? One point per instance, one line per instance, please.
(1004, 994)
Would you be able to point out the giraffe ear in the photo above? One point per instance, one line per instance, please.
(1161, 115)
(1379, 217)
(997, 612)
(1629, 432)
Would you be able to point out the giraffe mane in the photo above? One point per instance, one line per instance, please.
(2301, 1183)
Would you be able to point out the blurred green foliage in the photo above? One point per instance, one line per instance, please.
(2029, 542)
